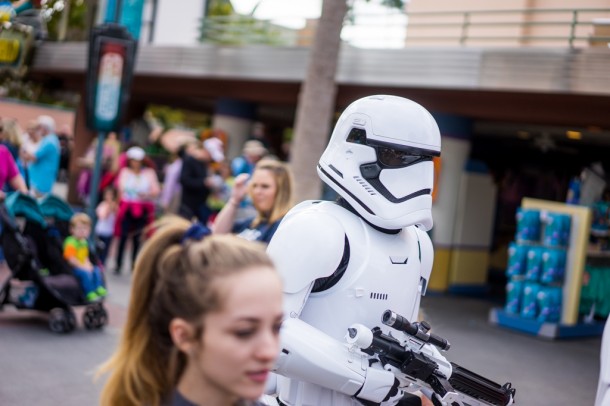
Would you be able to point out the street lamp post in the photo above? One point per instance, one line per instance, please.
(110, 70)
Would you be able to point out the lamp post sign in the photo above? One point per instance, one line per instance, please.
(112, 52)
(108, 92)
(111, 61)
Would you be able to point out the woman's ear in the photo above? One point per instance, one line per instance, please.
(183, 335)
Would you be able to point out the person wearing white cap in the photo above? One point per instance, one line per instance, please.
(215, 148)
(43, 164)
(138, 187)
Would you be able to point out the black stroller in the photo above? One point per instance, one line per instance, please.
(41, 279)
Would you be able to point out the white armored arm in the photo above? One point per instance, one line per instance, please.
(309, 355)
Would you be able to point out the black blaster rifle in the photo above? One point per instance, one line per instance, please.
(420, 366)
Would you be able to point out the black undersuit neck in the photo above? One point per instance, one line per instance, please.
(343, 203)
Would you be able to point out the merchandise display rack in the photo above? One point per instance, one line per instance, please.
(548, 330)
(569, 325)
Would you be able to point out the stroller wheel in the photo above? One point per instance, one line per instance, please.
(95, 316)
(103, 316)
(61, 320)
(3, 296)
(70, 320)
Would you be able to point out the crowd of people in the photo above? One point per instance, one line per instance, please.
(247, 195)
(197, 183)
(35, 154)
(213, 344)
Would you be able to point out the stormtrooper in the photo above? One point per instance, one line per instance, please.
(348, 261)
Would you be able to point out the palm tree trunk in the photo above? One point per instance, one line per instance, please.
(91, 12)
(317, 101)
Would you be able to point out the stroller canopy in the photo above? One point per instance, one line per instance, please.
(20, 204)
(56, 208)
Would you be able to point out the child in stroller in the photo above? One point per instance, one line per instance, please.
(38, 268)
(76, 252)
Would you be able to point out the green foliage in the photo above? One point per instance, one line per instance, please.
(240, 30)
(54, 9)
(156, 150)
(223, 26)
(18, 89)
(399, 4)
(35, 92)
(288, 134)
(170, 117)
(220, 8)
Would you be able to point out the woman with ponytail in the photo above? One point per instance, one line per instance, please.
(203, 322)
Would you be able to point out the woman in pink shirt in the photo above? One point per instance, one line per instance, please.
(9, 174)
(138, 187)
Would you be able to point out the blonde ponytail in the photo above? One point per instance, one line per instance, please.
(139, 370)
(171, 279)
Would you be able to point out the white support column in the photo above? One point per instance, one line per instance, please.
(235, 118)
(455, 148)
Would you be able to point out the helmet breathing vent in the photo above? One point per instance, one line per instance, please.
(365, 185)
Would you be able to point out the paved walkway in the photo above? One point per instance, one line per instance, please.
(545, 373)
(43, 368)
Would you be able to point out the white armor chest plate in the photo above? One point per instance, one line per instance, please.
(383, 273)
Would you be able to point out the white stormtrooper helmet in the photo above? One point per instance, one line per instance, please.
(379, 159)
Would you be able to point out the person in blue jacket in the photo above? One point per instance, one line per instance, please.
(43, 164)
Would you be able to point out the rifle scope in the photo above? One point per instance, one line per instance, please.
(417, 330)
